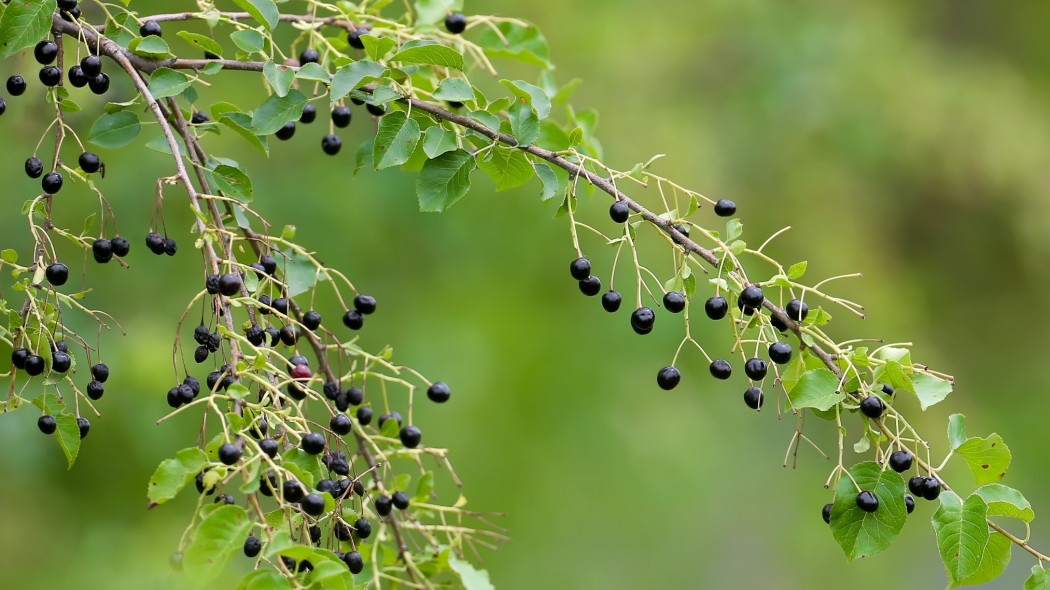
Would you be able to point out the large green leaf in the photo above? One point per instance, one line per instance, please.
(429, 53)
(525, 44)
(263, 11)
(508, 167)
(437, 141)
(396, 139)
(349, 77)
(930, 389)
(893, 373)
(115, 130)
(444, 180)
(377, 47)
(454, 89)
(861, 533)
(241, 124)
(151, 47)
(264, 579)
(276, 111)
(962, 534)
(23, 24)
(218, 537)
(299, 273)
(816, 389)
(523, 123)
(68, 434)
(280, 77)
(993, 562)
(535, 96)
(988, 457)
(173, 474)
(1005, 501)
(167, 82)
(233, 182)
(1038, 580)
(201, 42)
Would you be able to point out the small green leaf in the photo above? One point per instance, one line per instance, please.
(152, 47)
(23, 24)
(248, 40)
(115, 130)
(472, 578)
(275, 111)
(733, 229)
(797, 270)
(893, 373)
(523, 123)
(240, 124)
(930, 389)
(861, 533)
(167, 82)
(535, 96)
(424, 486)
(1038, 579)
(233, 182)
(1005, 501)
(68, 432)
(551, 186)
(9, 256)
(437, 141)
(313, 72)
(263, 11)
(201, 42)
(264, 579)
(444, 180)
(429, 53)
(454, 89)
(173, 474)
(299, 273)
(218, 537)
(816, 389)
(956, 430)
(962, 534)
(514, 41)
(508, 167)
(432, 11)
(988, 457)
(377, 47)
(396, 139)
(350, 77)
(280, 77)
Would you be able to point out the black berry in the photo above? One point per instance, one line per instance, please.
(229, 284)
(84, 425)
(170, 247)
(400, 500)
(826, 512)
(611, 301)
(34, 167)
(45, 52)
(286, 131)
(51, 183)
(887, 389)
(642, 320)
(900, 461)
(309, 56)
(155, 243)
(796, 310)
(365, 304)
(754, 397)
(580, 268)
(313, 504)
(411, 436)
(931, 488)
(16, 85)
(619, 212)
(591, 286)
(867, 501)
(18, 357)
(95, 389)
(269, 446)
(47, 424)
(755, 369)
(57, 274)
(354, 561)
(364, 415)
(89, 162)
(102, 249)
(752, 297)
(35, 365)
(363, 528)
(91, 65)
(872, 406)
(341, 424)
(313, 443)
(151, 27)
(229, 453)
(121, 246)
(725, 208)
(456, 23)
(198, 118)
(716, 308)
(439, 392)
(312, 320)
(99, 84)
(674, 301)
(353, 319)
(668, 378)
(375, 109)
(289, 334)
(331, 144)
(292, 491)
(915, 484)
(309, 114)
(61, 362)
(341, 116)
(382, 504)
(50, 76)
(354, 37)
(100, 373)
(354, 396)
(780, 352)
(252, 546)
(721, 369)
(909, 503)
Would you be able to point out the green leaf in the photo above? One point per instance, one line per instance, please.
(432, 11)
(9, 255)
(173, 474)
(437, 141)
(535, 96)
(280, 77)
(263, 11)
(930, 389)
(472, 578)
(395, 141)
(523, 123)
(523, 43)
(264, 579)
(962, 534)
(377, 47)
(797, 270)
(240, 124)
(994, 560)
(68, 106)
(429, 53)
(987, 457)
(893, 373)
(151, 47)
(299, 273)
(331, 575)
(350, 77)
(454, 89)
(275, 111)
(816, 389)
(68, 434)
(861, 533)
(218, 537)
(201, 42)
(424, 486)
(23, 24)
(956, 430)
(893, 353)
(248, 40)
(115, 130)
(546, 175)
(167, 82)
(233, 182)
(314, 73)
(1038, 579)
(1005, 501)
(508, 167)
(444, 180)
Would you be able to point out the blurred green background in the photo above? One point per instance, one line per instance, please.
(907, 141)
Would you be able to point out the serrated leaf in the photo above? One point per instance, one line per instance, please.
(201, 42)
(1005, 501)
(263, 11)
(350, 77)
(429, 53)
(437, 141)
(233, 182)
(377, 47)
(1038, 580)
(815, 389)
(797, 270)
(524, 124)
(962, 534)
(454, 89)
(167, 82)
(956, 430)
(549, 179)
(535, 96)
(173, 474)
(993, 562)
(930, 389)
(521, 43)
(115, 130)
(861, 533)
(248, 40)
(240, 124)
(893, 373)
(396, 139)
(67, 432)
(280, 77)
(23, 24)
(218, 537)
(313, 72)
(275, 111)
(988, 457)
(444, 180)
(508, 167)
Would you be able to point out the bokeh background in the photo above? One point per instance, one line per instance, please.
(907, 141)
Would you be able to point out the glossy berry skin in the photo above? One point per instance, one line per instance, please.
(400, 500)
(721, 369)
(313, 504)
(439, 392)
(100, 372)
(269, 446)
(909, 503)
(341, 424)
(47, 424)
(170, 247)
(354, 562)
(76, 77)
(674, 301)
(900, 461)
(716, 308)
(95, 389)
(365, 304)
(16, 85)
(725, 208)
(780, 352)
(45, 52)
(580, 268)
(364, 416)
(35, 365)
(363, 528)
(151, 28)
(289, 334)
(18, 357)
(301, 372)
(341, 116)
(872, 407)
(313, 443)
(198, 118)
(309, 114)
(292, 491)
(611, 301)
(382, 504)
(57, 273)
(354, 37)
(51, 183)
(99, 84)
(34, 167)
(91, 65)
(752, 297)
(755, 369)
(155, 243)
(591, 286)
(89, 162)
(931, 488)
(668, 378)
(826, 512)
(229, 453)
(375, 110)
(50, 76)
(252, 546)
(312, 320)
(411, 436)
(754, 398)
(456, 23)
(229, 284)
(286, 131)
(85, 426)
(309, 56)
(354, 396)
(61, 362)
(353, 319)
(121, 246)
(3, 106)
(642, 319)
(777, 323)
(331, 144)
(867, 501)
(796, 310)
(915, 484)
(619, 212)
(887, 389)
(102, 250)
